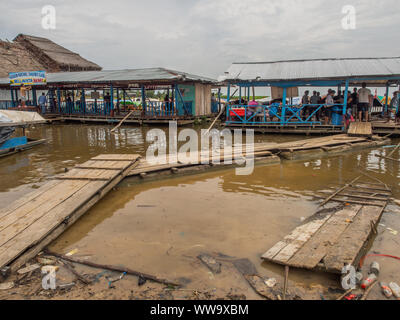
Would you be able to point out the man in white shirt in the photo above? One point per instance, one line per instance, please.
(364, 95)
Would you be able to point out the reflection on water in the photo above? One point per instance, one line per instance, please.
(68, 145)
(161, 226)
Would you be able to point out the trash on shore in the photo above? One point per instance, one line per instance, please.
(7, 285)
(29, 268)
(395, 289)
(386, 290)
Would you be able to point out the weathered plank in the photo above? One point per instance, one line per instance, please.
(360, 129)
(352, 239)
(285, 249)
(31, 225)
(316, 248)
(117, 157)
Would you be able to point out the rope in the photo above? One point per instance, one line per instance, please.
(377, 255)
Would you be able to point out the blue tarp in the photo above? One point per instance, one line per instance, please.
(14, 142)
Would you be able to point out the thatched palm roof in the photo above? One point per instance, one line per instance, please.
(14, 58)
(28, 53)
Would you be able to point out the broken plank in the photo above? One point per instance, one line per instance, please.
(316, 248)
(353, 239)
(285, 249)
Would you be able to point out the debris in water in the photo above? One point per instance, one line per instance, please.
(141, 281)
(271, 282)
(71, 253)
(210, 262)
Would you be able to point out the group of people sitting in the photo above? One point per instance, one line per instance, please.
(359, 104)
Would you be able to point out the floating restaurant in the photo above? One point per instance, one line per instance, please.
(189, 96)
(284, 79)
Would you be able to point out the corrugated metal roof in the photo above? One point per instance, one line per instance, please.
(318, 69)
(132, 75)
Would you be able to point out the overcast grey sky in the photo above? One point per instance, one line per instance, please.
(205, 36)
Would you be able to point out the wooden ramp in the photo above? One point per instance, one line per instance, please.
(32, 222)
(331, 239)
(360, 129)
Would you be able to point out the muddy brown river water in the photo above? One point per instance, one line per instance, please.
(160, 226)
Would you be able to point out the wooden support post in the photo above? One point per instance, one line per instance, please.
(283, 114)
(12, 97)
(219, 100)
(59, 100)
(385, 110)
(112, 100)
(144, 105)
(286, 282)
(34, 97)
(345, 97)
(73, 102)
(124, 96)
(83, 100)
(118, 109)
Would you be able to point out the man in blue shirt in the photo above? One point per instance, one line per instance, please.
(42, 103)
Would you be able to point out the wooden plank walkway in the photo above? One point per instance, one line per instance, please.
(32, 222)
(329, 241)
(269, 152)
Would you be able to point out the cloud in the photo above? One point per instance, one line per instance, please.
(205, 36)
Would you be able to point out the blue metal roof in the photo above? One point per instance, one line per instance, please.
(128, 75)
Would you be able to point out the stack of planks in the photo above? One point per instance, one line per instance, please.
(328, 242)
(32, 222)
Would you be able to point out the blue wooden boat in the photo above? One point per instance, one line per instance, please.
(9, 120)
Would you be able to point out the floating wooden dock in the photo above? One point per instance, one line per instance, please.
(32, 222)
(333, 238)
(378, 128)
(116, 119)
(266, 153)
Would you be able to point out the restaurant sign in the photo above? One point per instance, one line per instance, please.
(28, 78)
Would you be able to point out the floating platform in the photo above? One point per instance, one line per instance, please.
(378, 128)
(304, 129)
(117, 119)
(32, 222)
(333, 238)
(265, 153)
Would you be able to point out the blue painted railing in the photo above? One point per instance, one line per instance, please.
(273, 114)
(6, 105)
(160, 109)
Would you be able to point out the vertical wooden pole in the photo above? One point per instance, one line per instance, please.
(345, 97)
(12, 97)
(385, 110)
(112, 100)
(283, 114)
(143, 91)
(59, 100)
